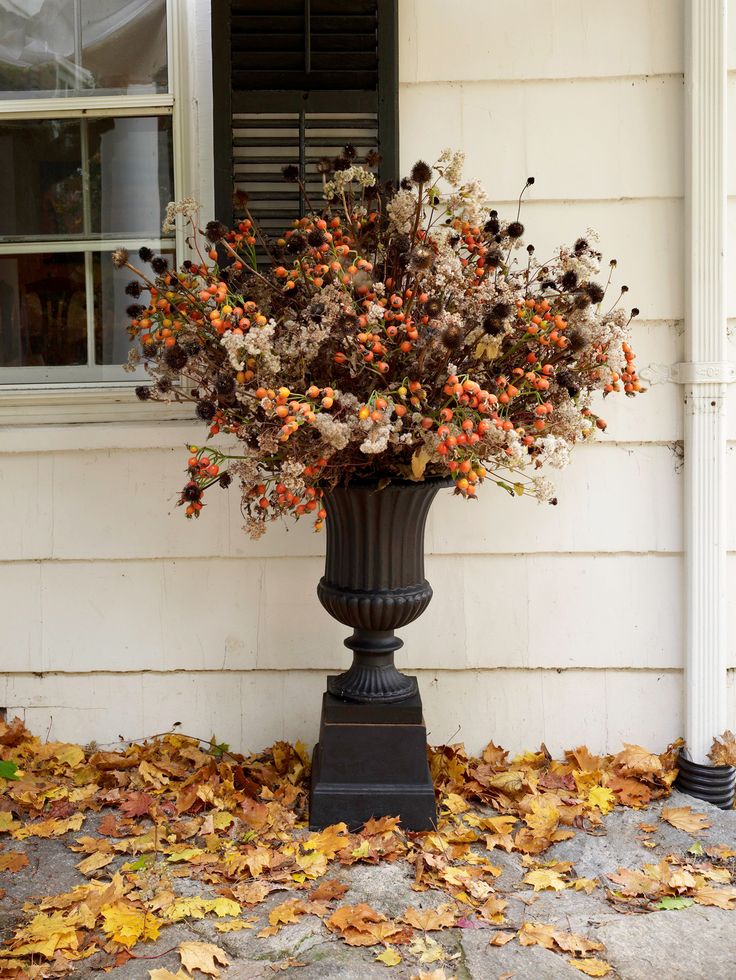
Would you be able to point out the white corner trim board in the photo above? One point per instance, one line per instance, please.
(705, 375)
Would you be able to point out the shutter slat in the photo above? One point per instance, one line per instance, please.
(293, 106)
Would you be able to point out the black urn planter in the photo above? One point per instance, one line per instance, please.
(371, 760)
(714, 784)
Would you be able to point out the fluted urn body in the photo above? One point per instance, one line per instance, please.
(374, 579)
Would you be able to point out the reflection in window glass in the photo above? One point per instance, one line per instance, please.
(43, 161)
(112, 342)
(43, 319)
(131, 174)
(82, 47)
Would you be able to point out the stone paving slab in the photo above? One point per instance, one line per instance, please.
(697, 943)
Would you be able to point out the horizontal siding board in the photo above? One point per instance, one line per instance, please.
(528, 39)
(488, 611)
(636, 127)
(110, 504)
(610, 499)
(517, 709)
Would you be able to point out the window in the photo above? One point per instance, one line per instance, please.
(296, 80)
(86, 152)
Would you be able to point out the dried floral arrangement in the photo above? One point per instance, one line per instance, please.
(394, 332)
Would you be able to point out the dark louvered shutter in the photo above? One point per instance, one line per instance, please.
(295, 80)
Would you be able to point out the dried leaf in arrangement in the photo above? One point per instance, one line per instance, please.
(402, 333)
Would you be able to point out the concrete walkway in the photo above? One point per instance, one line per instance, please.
(689, 943)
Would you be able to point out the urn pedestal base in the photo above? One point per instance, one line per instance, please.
(371, 761)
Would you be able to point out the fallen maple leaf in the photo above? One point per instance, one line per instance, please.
(161, 974)
(501, 938)
(94, 862)
(13, 861)
(202, 957)
(545, 878)
(389, 957)
(235, 925)
(127, 925)
(136, 804)
(723, 750)
(427, 920)
(722, 898)
(602, 798)
(592, 967)
(683, 818)
(638, 760)
(328, 890)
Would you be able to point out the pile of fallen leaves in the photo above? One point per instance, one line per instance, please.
(176, 807)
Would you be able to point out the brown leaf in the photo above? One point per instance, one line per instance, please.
(683, 818)
(722, 898)
(443, 917)
(501, 938)
(203, 957)
(13, 861)
(723, 751)
(635, 759)
(136, 804)
(328, 890)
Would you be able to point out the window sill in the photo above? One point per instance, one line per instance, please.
(83, 405)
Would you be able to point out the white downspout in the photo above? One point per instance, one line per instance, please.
(705, 375)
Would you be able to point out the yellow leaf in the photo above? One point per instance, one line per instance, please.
(389, 957)
(185, 854)
(683, 818)
(235, 925)
(47, 933)
(94, 862)
(70, 755)
(443, 917)
(586, 885)
(419, 463)
(127, 925)
(362, 851)
(50, 828)
(286, 913)
(427, 950)
(592, 967)
(501, 938)
(168, 975)
(545, 878)
(603, 798)
(7, 823)
(203, 957)
(455, 803)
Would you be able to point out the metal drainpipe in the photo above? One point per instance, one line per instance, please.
(705, 375)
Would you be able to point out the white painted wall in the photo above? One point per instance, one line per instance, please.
(557, 624)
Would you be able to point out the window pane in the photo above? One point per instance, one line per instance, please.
(131, 174)
(43, 317)
(129, 169)
(112, 342)
(82, 47)
(41, 161)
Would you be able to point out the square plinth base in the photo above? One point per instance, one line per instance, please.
(371, 762)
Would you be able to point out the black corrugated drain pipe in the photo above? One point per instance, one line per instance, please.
(714, 784)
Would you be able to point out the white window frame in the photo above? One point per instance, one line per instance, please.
(188, 102)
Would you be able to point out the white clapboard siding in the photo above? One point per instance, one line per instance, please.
(610, 499)
(102, 505)
(517, 708)
(556, 624)
(593, 138)
(488, 611)
(480, 39)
